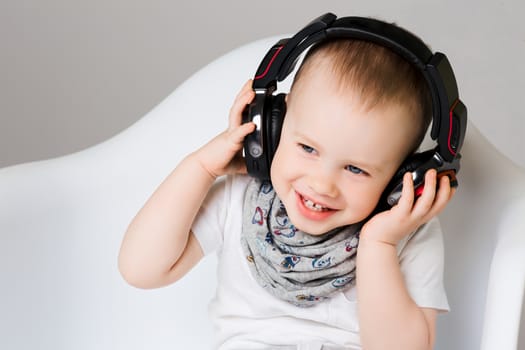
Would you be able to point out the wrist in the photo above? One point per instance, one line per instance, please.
(375, 252)
(376, 241)
(200, 165)
(372, 237)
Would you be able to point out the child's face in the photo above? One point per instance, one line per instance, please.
(335, 158)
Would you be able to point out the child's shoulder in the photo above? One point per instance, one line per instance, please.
(229, 187)
(234, 182)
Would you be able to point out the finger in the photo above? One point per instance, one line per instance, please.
(425, 202)
(407, 193)
(245, 97)
(246, 87)
(444, 191)
(238, 134)
(443, 196)
(452, 192)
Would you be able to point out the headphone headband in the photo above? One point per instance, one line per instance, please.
(449, 114)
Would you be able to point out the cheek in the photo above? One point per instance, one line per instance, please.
(283, 172)
(364, 199)
(275, 167)
(277, 172)
(282, 163)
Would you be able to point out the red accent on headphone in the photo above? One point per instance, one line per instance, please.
(260, 76)
(450, 127)
(419, 190)
(451, 175)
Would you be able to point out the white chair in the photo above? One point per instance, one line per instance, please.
(62, 221)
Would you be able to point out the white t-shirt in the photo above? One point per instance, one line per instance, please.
(246, 316)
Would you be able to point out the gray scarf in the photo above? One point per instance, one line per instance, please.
(293, 265)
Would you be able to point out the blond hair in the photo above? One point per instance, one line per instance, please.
(377, 75)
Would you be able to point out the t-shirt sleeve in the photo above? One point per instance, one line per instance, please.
(209, 223)
(422, 264)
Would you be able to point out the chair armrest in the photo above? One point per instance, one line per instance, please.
(506, 282)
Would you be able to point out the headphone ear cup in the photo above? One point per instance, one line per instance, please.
(412, 164)
(259, 146)
(409, 165)
(275, 119)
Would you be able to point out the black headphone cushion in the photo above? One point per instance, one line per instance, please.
(410, 164)
(275, 119)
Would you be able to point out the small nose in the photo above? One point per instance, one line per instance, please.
(323, 182)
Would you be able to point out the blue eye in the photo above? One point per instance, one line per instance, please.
(307, 149)
(354, 169)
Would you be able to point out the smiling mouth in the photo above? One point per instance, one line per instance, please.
(313, 206)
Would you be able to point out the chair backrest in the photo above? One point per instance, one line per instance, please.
(62, 221)
(491, 188)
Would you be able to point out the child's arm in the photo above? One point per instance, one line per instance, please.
(388, 317)
(159, 247)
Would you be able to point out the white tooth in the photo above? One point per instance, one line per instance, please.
(313, 205)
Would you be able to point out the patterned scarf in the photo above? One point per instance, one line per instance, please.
(293, 265)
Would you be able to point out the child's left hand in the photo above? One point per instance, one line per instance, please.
(393, 225)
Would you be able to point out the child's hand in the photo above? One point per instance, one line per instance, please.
(222, 155)
(410, 213)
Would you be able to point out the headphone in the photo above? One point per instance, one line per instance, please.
(449, 114)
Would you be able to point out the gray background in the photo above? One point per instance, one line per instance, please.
(74, 73)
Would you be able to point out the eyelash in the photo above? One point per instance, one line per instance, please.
(353, 169)
(307, 148)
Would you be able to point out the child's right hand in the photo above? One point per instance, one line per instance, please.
(222, 155)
